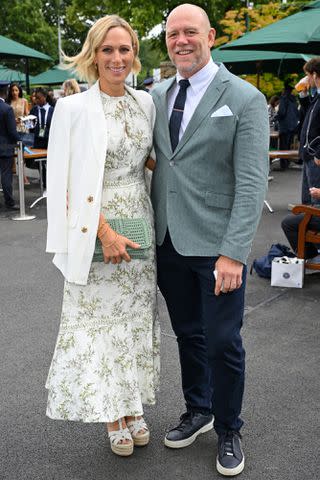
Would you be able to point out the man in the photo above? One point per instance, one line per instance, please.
(310, 109)
(207, 190)
(288, 119)
(43, 111)
(8, 139)
(148, 84)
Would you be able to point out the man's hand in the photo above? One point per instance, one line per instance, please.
(229, 275)
(150, 164)
(314, 192)
(317, 161)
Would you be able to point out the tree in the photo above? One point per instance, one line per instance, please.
(235, 22)
(24, 22)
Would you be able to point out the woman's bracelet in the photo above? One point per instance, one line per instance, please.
(102, 231)
(112, 243)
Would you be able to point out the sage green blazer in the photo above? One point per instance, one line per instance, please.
(210, 191)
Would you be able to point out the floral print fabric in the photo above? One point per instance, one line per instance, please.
(106, 360)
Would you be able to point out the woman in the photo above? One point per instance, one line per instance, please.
(33, 99)
(21, 109)
(70, 87)
(19, 104)
(105, 363)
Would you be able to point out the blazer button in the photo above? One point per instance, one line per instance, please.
(172, 163)
(90, 199)
(84, 229)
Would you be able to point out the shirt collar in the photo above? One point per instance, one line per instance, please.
(202, 77)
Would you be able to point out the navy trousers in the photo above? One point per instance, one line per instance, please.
(6, 179)
(290, 227)
(208, 328)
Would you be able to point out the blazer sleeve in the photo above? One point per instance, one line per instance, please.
(11, 126)
(58, 159)
(251, 166)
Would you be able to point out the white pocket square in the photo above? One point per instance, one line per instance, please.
(222, 112)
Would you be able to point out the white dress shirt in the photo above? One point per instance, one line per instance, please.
(199, 83)
(46, 107)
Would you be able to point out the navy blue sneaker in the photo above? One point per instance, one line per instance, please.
(191, 425)
(230, 459)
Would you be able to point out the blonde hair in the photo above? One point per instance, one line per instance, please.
(71, 87)
(84, 63)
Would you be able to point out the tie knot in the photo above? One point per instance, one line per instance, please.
(184, 84)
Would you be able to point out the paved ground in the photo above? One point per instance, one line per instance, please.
(281, 405)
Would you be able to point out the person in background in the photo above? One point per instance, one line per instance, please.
(106, 361)
(70, 87)
(273, 123)
(290, 226)
(208, 189)
(288, 120)
(148, 84)
(273, 106)
(32, 100)
(21, 109)
(8, 138)
(310, 154)
(43, 111)
(19, 104)
(309, 88)
(51, 98)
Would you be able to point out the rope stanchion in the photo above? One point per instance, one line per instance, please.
(22, 215)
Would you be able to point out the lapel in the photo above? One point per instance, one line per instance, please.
(162, 116)
(211, 96)
(96, 123)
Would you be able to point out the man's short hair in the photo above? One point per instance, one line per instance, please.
(4, 87)
(42, 91)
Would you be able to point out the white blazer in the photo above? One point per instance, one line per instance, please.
(75, 167)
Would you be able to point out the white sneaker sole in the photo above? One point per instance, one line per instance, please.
(188, 441)
(230, 472)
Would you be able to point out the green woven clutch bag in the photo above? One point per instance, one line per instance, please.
(136, 229)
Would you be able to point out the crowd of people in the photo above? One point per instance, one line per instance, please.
(205, 135)
(41, 106)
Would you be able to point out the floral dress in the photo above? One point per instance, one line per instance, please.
(106, 360)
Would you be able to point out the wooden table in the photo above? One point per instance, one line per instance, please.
(288, 154)
(38, 155)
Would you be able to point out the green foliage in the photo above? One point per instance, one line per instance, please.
(150, 57)
(24, 22)
(236, 22)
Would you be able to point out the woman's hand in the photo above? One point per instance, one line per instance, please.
(314, 192)
(317, 161)
(114, 246)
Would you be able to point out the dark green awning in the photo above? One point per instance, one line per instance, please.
(10, 48)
